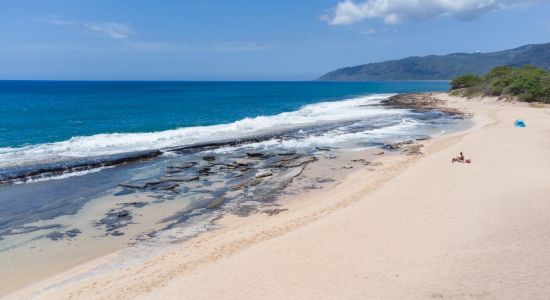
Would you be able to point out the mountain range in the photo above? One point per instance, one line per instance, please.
(443, 67)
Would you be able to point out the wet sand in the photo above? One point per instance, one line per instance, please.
(415, 227)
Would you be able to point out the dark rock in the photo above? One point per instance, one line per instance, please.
(204, 171)
(125, 192)
(116, 233)
(274, 211)
(122, 214)
(55, 236)
(397, 145)
(323, 148)
(134, 204)
(291, 163)
(164, 185)
(180, 178)
(186, 165)
(287, 153)
(255, 154)
(73, 165)
(134, 185)
(420, 102)
(243, 163)
(154, 182)
(73, 232)
(209, 158)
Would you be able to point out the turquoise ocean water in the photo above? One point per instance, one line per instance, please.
(38, 112)
(62, 180)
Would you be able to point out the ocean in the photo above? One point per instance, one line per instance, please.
(41, 120)
(87, 168)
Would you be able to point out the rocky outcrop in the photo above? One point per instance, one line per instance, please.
(421, 102)
(11, 175)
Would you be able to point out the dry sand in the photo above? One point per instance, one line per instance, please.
(420, 228)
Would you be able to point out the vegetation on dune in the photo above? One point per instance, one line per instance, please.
(466, 81)
(526, 83)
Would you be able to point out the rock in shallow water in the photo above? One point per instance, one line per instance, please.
(73, 232)
(263, 173)
(180, 178)
(209, 158)
(186, 165)
(125, 191)
(58, 235)
(323, 148)
(134, 185)
(163, 185)
(255, 154)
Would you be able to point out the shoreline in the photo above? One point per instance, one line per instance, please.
(333, 162)
(142, 200)
(387, 234)
(306, 186)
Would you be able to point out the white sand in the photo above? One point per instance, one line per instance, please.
(422, 228)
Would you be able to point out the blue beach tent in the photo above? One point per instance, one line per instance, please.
(519, 123)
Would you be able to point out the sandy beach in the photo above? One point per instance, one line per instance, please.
(416, 227)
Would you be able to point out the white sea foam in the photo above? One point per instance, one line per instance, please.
(336, 137)
(62, 176)
(105, 144)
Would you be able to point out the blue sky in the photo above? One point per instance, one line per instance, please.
(248, 40)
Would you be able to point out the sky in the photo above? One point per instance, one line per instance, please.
(248, 40)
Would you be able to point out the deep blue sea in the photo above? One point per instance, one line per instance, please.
(35, 112)
(44, 121)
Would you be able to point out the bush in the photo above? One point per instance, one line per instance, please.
(527, 83)
(465, 81)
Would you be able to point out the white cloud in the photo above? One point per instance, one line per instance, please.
(112, 30)
(367, 31)
(397, 11)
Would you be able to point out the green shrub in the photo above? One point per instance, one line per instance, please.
(465, 81)
(526, 83)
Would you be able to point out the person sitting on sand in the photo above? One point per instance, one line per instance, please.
(460, 158)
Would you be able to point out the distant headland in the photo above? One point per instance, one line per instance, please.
(444, 67)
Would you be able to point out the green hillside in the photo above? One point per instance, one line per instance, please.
(444, 67)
